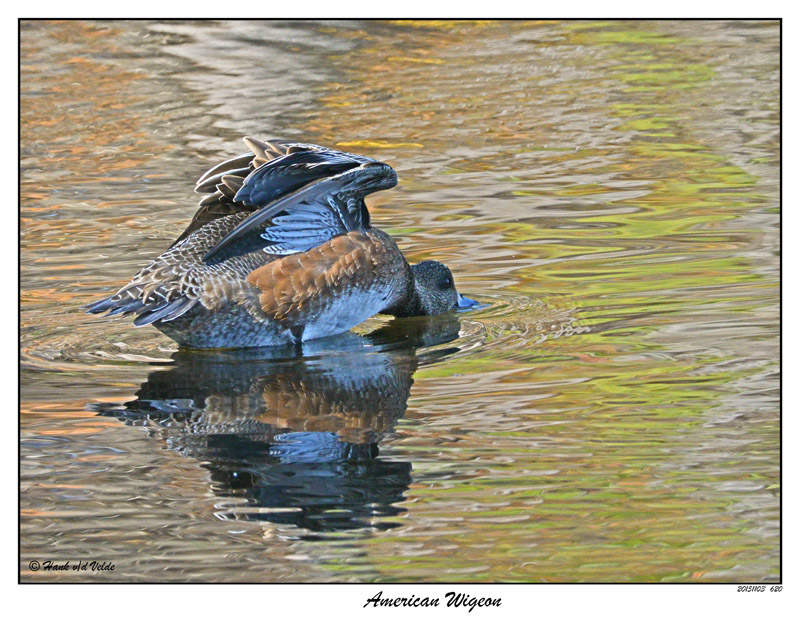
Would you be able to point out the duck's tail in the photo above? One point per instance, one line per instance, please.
(149, 307)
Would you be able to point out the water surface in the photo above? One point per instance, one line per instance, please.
(608, 190)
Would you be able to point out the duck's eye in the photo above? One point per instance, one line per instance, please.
(446, 283)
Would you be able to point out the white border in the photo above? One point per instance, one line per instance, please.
(335, 600)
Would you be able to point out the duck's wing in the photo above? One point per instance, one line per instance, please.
(301, 200)
(222, 182)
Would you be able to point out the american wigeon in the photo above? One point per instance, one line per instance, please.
(280, 251)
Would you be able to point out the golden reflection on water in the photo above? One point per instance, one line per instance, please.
(609, 190)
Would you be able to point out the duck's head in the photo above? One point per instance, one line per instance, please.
(435, 291)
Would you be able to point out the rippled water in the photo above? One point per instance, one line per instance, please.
(609, 191)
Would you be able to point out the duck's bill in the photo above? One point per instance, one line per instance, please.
(466, 303)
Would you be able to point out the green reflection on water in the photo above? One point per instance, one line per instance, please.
(627, 398)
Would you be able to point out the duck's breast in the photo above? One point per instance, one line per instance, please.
(333, 287)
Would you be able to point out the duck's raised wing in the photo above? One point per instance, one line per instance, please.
(222, 182)
(303, 199)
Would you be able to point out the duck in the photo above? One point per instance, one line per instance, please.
(280, 251)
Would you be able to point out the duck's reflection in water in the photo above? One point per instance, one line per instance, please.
(295, 431)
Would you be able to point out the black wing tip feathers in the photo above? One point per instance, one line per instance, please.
(147, 313)
(100, 306)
